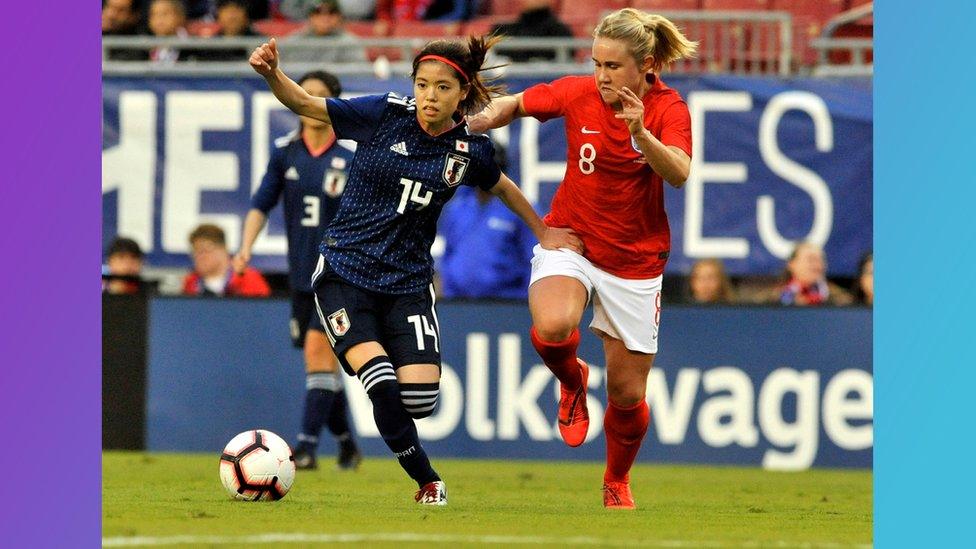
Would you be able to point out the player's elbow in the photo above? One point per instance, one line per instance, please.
(678, 179)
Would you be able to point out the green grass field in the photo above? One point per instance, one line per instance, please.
(177, 500)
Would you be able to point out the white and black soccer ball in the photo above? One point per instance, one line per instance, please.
(257, 465)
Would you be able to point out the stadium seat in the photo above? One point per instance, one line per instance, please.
(363, 29)
(277, 27)
(482, 25)
(505, 8)
(821, 11)
(666, 5)
(425, 29)
(736, 5)
(589, 11)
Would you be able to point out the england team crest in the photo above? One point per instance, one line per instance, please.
(339, 322)
(454, 168)
(333, 183)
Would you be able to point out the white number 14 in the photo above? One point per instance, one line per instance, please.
(411, 191)
(421, 327)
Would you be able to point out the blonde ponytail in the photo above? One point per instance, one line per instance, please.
(648, 35)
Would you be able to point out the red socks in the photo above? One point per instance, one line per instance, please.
(560, 357)
(624, 429)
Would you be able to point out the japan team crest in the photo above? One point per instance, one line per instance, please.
(454, 168)
(339, 322)
(333, 183)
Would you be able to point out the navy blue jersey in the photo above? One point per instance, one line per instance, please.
(312, 186)
(400, 179)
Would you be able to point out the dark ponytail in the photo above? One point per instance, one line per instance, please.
(470, 59)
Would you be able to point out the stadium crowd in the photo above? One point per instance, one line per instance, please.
(345, 19)
(478, 231)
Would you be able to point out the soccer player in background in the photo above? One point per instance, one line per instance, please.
(309, 167)
(373, 280)
(627, 133)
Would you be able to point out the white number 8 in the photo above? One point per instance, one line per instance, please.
(587, 156)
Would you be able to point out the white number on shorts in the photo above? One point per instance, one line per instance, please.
(311, 218)
(421, 326)
(411, 191)
(587, 156)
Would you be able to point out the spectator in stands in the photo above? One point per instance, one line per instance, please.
(424, 10)
(232, 22)
(120, 18)
(536, 20)
(388, 12)
(213, 273)
(167, 18)
(233, 19)
(709, 284)
(806, 280)
(207, 9)
(864, 285)
(325, 20)
(296, 10)
(123, 259)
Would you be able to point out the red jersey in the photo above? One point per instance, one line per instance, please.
(248, 284)
(610, 196)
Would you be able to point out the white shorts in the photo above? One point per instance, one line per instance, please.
(625, 309)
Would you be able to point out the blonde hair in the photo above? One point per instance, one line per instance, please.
(648, 35)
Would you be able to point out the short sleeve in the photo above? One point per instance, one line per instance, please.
(356, 118)
(272, 183)
(676, 127)
(484, 173)
(545, 101)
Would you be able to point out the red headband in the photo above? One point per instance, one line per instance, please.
(448, 62)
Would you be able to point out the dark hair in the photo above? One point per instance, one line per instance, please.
(469, 57)
(211, 232)
(332, 5)
(122, 245)
(859, 295)
(327, 78)
(243, 4)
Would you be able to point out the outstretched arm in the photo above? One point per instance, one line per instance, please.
(551, 238)
(500, 112)
(264, 61)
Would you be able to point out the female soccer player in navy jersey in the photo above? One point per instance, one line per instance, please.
(627, 133)
(309, 168)
(373, 280)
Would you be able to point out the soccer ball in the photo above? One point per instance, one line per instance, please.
(257, 465)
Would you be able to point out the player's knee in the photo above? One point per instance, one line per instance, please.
(419, 399)
(624, 395)
(318, 353)
(554, 329)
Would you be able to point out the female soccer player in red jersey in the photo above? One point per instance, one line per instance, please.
(627, 133)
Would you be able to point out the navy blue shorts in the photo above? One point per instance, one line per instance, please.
(405, 325)
(304, 317)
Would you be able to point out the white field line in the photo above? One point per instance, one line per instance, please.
(448, 538)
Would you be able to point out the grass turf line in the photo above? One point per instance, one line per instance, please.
(160, 494)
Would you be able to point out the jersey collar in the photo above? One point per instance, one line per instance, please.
(321, 150)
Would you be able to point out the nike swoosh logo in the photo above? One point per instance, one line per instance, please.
(584, 130)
